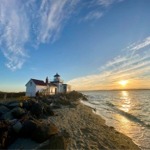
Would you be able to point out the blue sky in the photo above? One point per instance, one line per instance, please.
(92, 44)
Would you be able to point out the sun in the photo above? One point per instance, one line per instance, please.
(123, 82)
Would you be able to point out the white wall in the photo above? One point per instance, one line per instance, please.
(60, 88)
(40, 88)
(63, 88)
(30, 88)
(50, 90)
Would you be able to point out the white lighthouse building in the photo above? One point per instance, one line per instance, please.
(47, 87)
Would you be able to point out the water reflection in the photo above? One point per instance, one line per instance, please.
(125, 101)
(124, 124)
(127, 111)
(125, 93)
(124, 117)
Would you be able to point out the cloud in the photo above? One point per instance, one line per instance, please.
(127, 66)
(96, 9)
(24, 21)
(105, 2)
(52, 15)
(93, 15)
(14, 33)
(117, 60)
(27, 24)
(143, 44)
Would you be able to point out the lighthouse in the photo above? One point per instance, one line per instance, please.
(57, 78)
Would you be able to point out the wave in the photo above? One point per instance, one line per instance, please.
(94, 103)
(128, 115)
(110, 104)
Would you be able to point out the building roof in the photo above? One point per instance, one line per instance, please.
(39, 82)
(56, 75)
(52, 84)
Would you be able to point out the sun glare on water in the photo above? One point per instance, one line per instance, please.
(123, 82)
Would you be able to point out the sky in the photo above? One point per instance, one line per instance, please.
(92, 44)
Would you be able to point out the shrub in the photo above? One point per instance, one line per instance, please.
(67, 98)
(23, 98)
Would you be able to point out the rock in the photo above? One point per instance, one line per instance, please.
(15, 104)
(55, 142)
(23, 144)
(18, 112)
(3, 109)
(1, 103)
(47, 101)
(36, 110)
(26, 105)
(12, 122)
(12, 136)
(8, 116)
(48, 111)
(42, 104)
(55, 106)
(3, 134)
(32, 101)
(17, 126)
(28, 128)
(44, 132)
(10, 102)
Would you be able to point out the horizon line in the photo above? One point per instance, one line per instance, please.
(112, 90)
(86, 90)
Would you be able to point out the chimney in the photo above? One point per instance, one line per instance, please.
(46, 81)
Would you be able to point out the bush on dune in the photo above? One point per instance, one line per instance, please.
(68, 98)
(74, 96)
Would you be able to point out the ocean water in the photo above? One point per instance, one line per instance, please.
(127, 111)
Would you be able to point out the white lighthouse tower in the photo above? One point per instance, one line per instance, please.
(57, 78)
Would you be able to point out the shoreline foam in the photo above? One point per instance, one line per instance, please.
(87, 130)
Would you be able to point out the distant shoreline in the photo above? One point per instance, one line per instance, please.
(81, 90)
(114, 90)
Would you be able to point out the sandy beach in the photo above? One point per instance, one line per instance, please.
(73, 126)
(87, 130)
